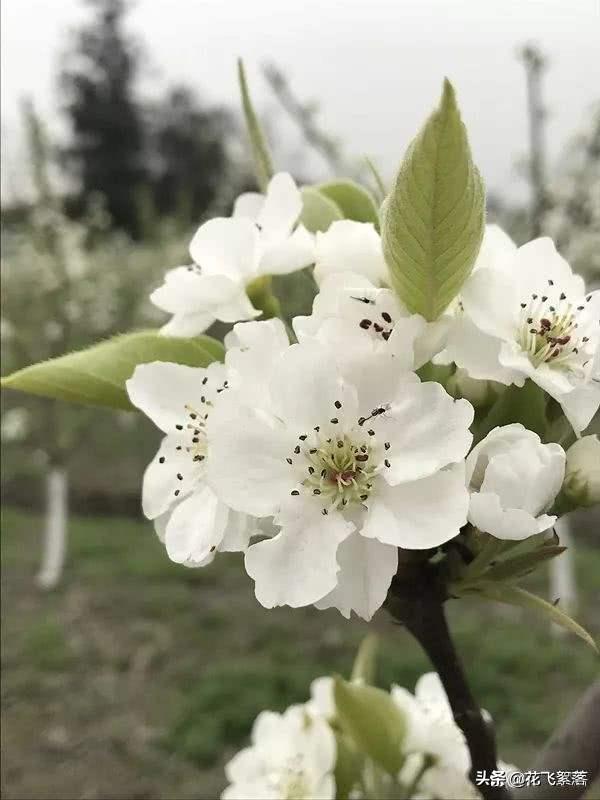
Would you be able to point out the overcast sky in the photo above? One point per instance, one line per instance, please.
(375, 66)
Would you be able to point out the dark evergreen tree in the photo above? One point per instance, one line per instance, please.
(188, 154)
(106, 154)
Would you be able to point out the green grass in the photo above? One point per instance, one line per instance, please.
(158, 671)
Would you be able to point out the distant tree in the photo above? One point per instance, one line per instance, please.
(188, 155)
(106, 154)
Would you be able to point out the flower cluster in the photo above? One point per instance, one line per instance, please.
(299, 753)
(320, 455)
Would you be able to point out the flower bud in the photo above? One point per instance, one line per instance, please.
(582, 478)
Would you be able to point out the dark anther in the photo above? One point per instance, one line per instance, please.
(193, 416)
(316, 428)
(361, 420)
(378, 328)
(563, 296)
(295, 493)
(550, 282)
(334, 420)
(316, 491)
(313, 451)
(289, 460)
(179, 476)
(311, 470)
(387, 445)
(337, 404)
(161, 460)
(371, 432)
(340, 443)
(204, 381)
(386, 316)
(365, 324)
(362, 457)
(387, 463)
(179, 427)
(324, 512)
(303, 438)
(297, 449)
(176, 492)
(386, 335)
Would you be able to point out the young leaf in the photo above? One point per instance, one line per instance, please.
(348, 767)
(318, 211)
(516, 596)
(509, 568)
(433, 219)
(260, 152)
(364, 667)
(355, 201)
(96, 376)
(373, 721)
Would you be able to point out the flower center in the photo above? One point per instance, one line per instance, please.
(192, 429)
(547, 330)
(379, 324)
(340, 469)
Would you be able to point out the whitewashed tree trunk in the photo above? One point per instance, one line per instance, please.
(55, 533)
(563, 583)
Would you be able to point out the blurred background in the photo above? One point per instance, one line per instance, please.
(126, 676)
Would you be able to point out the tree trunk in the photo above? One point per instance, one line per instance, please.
(55, 533)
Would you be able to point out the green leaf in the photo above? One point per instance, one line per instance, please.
(373, 721)
(263, 166)
(381, 190)
(520, 565)
(433, 219)
(365, 663)
(96, 376)
(516, 596)
(525, 404)
(348, 767)
(354, 200)
(318, 211)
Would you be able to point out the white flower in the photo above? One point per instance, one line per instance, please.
(292, 757)
(514, 479)
(349, 246)
(439, 761)
(582, 479)
(526, 315)
(352, 464)
(356, 319)
(189, 518)
(229, 253)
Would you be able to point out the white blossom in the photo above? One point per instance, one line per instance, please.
(292, 757)
(514, 479)
(189, 518)
(524, 314)
(349, 246)
(229, 253)
(346, 455)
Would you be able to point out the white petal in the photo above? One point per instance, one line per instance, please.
(188, 324)
(350, 246)
(498, 440)
(305, 385)
(581, 404)
(487, 514)
(247, 467)
(538, 262)
(185, 291)
(293, 253)
(478, 353)
(492, 300)
(366, 570)
(421, 514)
(252, 348)
(161, 390)
(226, 246)
(497, 251)
(427, 430)
(249, 205)
(161, 486)
(236, 307)
(297, 567)
(236, 536)
(196, 527)
(281, 209)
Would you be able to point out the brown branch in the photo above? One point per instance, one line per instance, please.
(574, 746)
(416, 600)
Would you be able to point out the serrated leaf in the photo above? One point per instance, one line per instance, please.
(318, 211)
(433, 219)
(354, 201)
(97, 375)
(263, 166)
(516, 596)
(365, 663)
(525, 404)
(372, 720)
